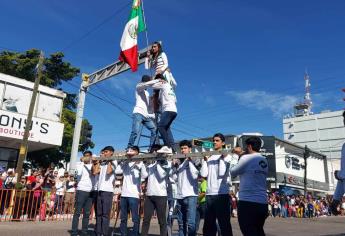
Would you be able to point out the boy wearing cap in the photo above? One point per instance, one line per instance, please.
(105, 191)
(133, 173)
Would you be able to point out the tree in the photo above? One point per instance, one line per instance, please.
(55, 71)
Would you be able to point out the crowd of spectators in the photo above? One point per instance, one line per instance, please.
(299, 206)
(46, 189)
(42, 192)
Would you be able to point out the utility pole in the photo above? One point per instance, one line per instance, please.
(23, 151)
(78, 121)
(306, 154)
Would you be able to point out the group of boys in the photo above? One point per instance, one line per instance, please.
(96, 185)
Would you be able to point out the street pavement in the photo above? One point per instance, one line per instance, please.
(323, 226)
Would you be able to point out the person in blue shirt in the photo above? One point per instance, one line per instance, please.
(252, 168)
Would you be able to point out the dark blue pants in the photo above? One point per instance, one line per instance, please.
(251, 217)
(129, 204)
(83, 201)
(164, 124)
(104, 205)
(217, 209)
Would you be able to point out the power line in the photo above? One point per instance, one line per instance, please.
(85, 35)
(121, 109)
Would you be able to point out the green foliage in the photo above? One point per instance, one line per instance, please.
(55, 71)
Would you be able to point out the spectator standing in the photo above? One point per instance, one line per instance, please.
(69, 195)
(19, 202)
(60, 192)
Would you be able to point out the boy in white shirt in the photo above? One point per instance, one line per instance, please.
(187, 189)
(216, 169)
(142, 114)
(105, 192)
(83, 198)
(132, 172)
(156, 195)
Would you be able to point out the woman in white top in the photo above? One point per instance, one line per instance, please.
(158, 60)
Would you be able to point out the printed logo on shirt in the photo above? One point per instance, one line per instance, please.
(263, 164)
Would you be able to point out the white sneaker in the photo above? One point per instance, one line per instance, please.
(165, 149)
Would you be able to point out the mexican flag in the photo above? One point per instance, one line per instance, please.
(129, 42)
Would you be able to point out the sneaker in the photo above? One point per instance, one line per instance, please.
(165, 149)
(334, 207)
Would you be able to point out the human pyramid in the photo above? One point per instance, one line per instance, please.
(171, 179)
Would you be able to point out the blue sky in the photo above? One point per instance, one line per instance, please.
(239, 64)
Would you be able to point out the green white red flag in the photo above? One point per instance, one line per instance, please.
(129, 41)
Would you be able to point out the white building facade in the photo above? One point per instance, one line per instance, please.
(322, 132)
(46, 127)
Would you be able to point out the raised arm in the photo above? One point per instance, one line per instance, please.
(142, 86)
(239, 168)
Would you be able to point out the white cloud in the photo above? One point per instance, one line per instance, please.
(124, 84)
(279, 104)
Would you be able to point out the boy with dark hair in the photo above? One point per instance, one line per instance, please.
(105, 191)
(132, 172)
(216, 169)
(156, 194)
(167, 99)
(252, 169)
(142, 113)
(187, 190)
(83, 198)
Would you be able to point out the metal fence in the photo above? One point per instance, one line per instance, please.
(40, 205)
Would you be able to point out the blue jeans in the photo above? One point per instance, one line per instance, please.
(284, 212)
(138, 121)
(188, 209)
(132, 204)
(164, 124)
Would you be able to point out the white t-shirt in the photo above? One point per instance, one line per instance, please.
(217, 171)
(187, 180)
(157, 179)
(132, 175)
(85, 179)
(105, 181)
(252, 170)
(142, 102)
(60, 188)
(70, 187)
(167, 95)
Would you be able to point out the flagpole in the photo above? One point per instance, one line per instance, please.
(146, 33)
(147, 37)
